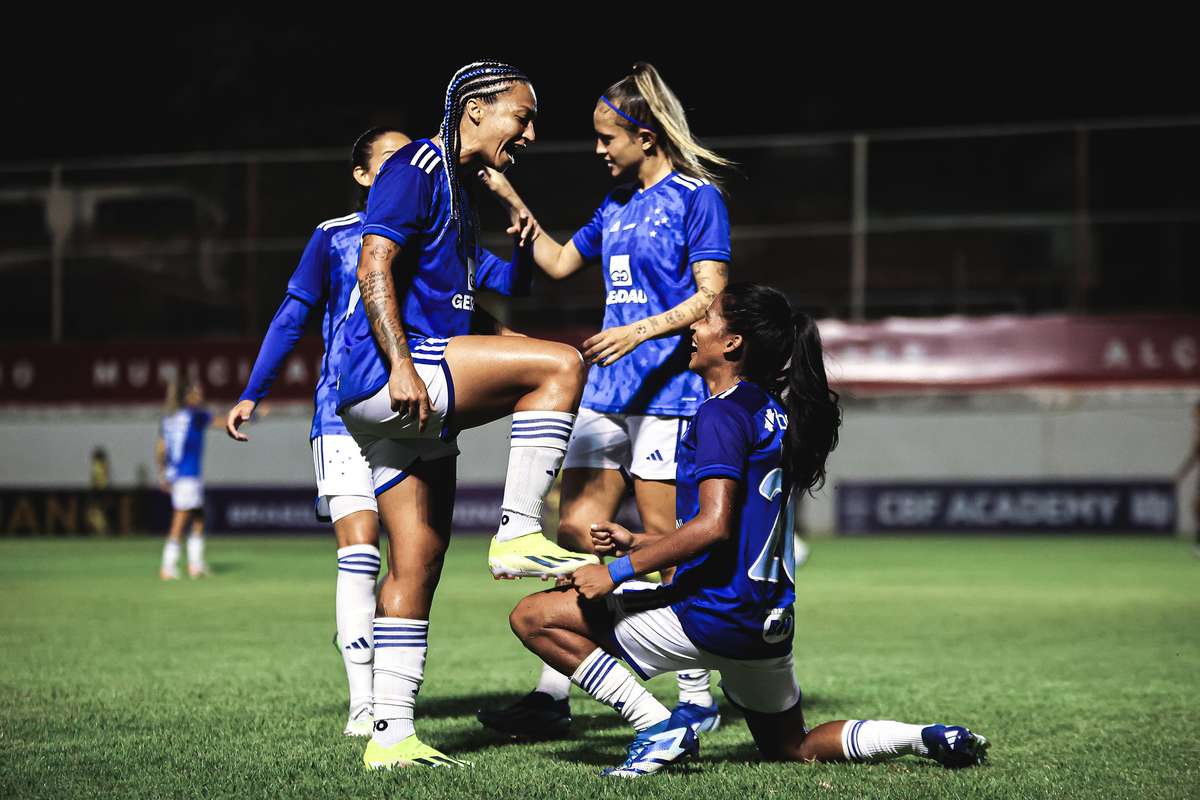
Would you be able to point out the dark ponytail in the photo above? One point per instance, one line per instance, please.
(360, 156)
(782, 354)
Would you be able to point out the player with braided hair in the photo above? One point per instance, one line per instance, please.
(413, 376)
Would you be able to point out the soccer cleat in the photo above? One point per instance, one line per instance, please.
(201, 571)
(954, 746)
(360, 723)
(701, 719)
(537, 715)
(168, 574)
(655, 748)
(533, 556)
(408, 752)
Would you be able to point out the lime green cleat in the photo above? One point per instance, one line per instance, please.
(534, 556)
(408, 752)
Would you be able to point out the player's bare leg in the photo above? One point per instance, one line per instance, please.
(540, 383)
(783, 737)
(565, 631)
(417, 513)
(197, 566)
(169, 569)
(587, 495)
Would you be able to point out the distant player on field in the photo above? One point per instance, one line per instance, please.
(662, 240)
(179, 452)
(765, 432)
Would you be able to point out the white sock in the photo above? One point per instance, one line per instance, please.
(354, 608)
(607, 681)
(170, 556)
(537, 445)
(553, 683)
(400, 646)
(693, 687)
(878, 739)
(195, 548)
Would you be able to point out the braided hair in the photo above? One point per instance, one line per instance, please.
(483, 81)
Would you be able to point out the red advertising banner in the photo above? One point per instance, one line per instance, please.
(1012, 352)
(138, 372)
(902, 354)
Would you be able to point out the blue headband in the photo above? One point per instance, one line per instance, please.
(626, 116)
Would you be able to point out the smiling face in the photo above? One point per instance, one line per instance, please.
(623, 150)
(501, 129)
(711, 342)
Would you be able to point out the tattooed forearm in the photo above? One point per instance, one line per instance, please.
(710, 281)
(379, 298)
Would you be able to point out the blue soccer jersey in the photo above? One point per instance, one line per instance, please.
(736, 597)
(646, 241)
(434, 274)
(183, 434)
(325, 276)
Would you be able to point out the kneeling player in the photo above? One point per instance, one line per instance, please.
(767, 429)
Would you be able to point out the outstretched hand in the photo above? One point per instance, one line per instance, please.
(524, 224)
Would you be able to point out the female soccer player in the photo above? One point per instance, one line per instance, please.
(765, 432)
(412, 377)
(662, 238)
(179, 452)
(323, 279)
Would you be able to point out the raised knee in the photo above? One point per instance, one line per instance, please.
(571, 365)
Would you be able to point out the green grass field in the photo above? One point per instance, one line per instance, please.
(1079, 658)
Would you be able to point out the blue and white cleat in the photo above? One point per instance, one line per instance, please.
(701, 719)
(954, 747)
(655, 748)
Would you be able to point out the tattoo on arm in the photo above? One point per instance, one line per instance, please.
(710, 281)
(379, 300)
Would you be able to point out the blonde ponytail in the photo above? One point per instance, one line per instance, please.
(644, 96)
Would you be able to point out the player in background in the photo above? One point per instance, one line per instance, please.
(1190, 463)
(413, 375)
(323, 281)
(765, 432)
(179, 453)
(662, 239)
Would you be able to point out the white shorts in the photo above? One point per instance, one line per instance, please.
(391, 443)
(642, 445)
(341, 471)
(652, 642)
(187, 494)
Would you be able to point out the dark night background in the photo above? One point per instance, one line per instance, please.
(203, 249)
(248, 81)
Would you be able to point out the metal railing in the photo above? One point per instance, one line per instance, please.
(1022, 218)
